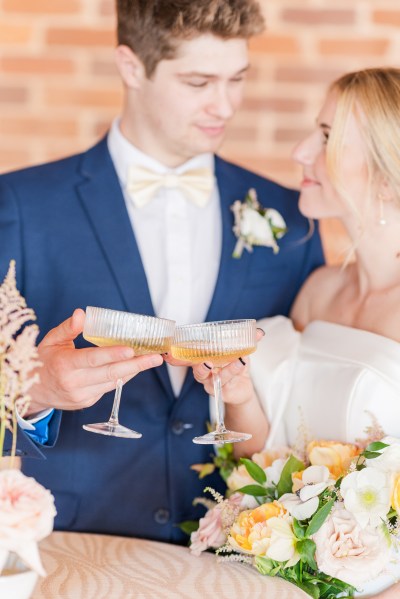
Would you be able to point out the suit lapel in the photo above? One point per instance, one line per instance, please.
(231, 271)
(104, 204)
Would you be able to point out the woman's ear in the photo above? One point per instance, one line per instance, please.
(130, 67)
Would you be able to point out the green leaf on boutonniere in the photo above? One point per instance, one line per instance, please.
(255, 471)
(376, 446)
(370, 455)
(254, 490)
(319, 518)
(285, 483)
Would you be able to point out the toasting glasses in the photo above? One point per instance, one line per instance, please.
(219, 343)
(145, 334)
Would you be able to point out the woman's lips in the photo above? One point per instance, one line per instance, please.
(309, 182)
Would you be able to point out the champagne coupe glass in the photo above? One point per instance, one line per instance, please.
(145, 334)
(219, 342)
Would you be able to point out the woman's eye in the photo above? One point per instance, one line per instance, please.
(325, 136)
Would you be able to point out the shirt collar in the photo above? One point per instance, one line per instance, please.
(124, 155)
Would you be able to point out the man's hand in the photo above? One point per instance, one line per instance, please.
(71, 379)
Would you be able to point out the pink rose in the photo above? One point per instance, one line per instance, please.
(212, 527)
(26, 516)
(346, 551)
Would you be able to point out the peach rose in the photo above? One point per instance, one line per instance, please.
(251, 533)
(349, 552)
(26, 516)
(335, 456)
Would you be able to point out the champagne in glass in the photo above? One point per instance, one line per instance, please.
(218, 342)
(145, 334)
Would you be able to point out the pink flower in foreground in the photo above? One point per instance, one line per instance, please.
(213, 526)
(349, 552)
(26, 516)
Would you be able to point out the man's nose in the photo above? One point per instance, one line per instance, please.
(222, 105)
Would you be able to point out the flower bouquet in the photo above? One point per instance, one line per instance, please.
(328, 523)
(26, 509)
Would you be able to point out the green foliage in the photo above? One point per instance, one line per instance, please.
(255, 471)
(319, 518)
(189, 526)
(285, 482)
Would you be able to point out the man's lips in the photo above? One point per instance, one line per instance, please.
(212, 130)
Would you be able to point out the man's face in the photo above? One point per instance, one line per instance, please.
(184, 108)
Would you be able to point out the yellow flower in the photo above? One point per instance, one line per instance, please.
(251, 533)
(395, 501)
(335, 456)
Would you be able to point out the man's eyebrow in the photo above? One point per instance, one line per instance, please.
(210, 75)
(324, 126)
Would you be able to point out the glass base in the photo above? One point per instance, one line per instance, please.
(112, 430)
(221, 437)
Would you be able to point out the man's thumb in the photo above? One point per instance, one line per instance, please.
(66, 331)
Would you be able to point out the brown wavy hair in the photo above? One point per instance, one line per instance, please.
(153, 28)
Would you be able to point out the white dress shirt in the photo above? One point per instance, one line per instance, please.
(179, 243)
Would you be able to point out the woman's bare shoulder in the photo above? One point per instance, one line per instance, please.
(318, 289)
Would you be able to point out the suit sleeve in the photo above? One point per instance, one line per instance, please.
(11, 248)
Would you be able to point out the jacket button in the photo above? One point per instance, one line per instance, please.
(178, 427)
(162, 516)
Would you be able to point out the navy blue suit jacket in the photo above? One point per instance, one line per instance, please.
(67, 227)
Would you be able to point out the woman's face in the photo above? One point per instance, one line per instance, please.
(318, 196)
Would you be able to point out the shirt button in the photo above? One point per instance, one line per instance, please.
(162, 516)
(178, 427)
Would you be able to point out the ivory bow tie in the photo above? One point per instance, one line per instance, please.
(196, 184)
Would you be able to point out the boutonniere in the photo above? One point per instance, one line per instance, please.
(256, 225)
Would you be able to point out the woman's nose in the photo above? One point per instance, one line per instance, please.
(305, 151)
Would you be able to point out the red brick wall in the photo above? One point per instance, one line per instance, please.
(59, 89)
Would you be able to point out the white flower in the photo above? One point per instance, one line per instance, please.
(305, 502)
(389, 460)
(255, 225)
(349, 552)
(274, 471)
(366, 494)
(282, 545)
(26, 516)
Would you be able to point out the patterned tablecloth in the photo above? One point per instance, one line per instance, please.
(86, 566)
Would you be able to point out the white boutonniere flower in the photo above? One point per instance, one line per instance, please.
(256, 225)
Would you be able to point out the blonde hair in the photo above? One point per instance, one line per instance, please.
(154, 28)
(373, 97)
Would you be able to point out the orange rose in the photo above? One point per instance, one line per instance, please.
(335, 456)
(251, 533)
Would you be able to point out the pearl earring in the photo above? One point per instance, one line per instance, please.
(382, 220)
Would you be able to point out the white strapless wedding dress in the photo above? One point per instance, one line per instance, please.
(328, 382)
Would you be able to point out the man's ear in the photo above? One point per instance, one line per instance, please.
(130, 67)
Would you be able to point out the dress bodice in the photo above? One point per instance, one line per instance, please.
(330, 381)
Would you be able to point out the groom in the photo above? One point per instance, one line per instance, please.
(142, 222)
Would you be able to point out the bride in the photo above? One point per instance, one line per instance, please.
(335, 365)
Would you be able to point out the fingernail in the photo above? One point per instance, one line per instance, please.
(261, 331)
(242, 361)
(128, 353)
(207, 366)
